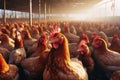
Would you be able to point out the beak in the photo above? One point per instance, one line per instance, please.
(49, 44)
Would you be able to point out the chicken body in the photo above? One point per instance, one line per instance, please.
(12, 74)
(28, 40)
(85, 56)
(19, 53)
(73, 49)
(42, 47)
(107, 59)
(34, 65)
(72, 38)
(115, 75)
(5, 53)
(35, 33)
(60, 67)
(115, 44)
(8, 71)
(5, 42)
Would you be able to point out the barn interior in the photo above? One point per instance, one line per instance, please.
(59, 40)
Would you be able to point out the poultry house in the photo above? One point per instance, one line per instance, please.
(59, 65)
(66, 58)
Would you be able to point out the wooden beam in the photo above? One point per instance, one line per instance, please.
(15, 14)
(45, 10)
(30, 14)
(49, 9)
(4, 11)
(39, 10)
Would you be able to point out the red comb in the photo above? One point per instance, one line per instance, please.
(85, 37)
(81, 43)
(115, 36)
(54, 30)
(42, 40)
(43, 36)
(96, 38)
(18, 40)
(94, 33)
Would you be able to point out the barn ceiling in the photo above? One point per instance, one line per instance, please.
(54, 6)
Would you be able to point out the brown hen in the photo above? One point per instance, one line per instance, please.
(107, 59)
(60, 66)
(115, 75)
(85, 56)
(34, 66)
(19, 53)
(72, 38)
(115, 44)
(27, 40)
(8, 71)
(42, 47)
(6, 42)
